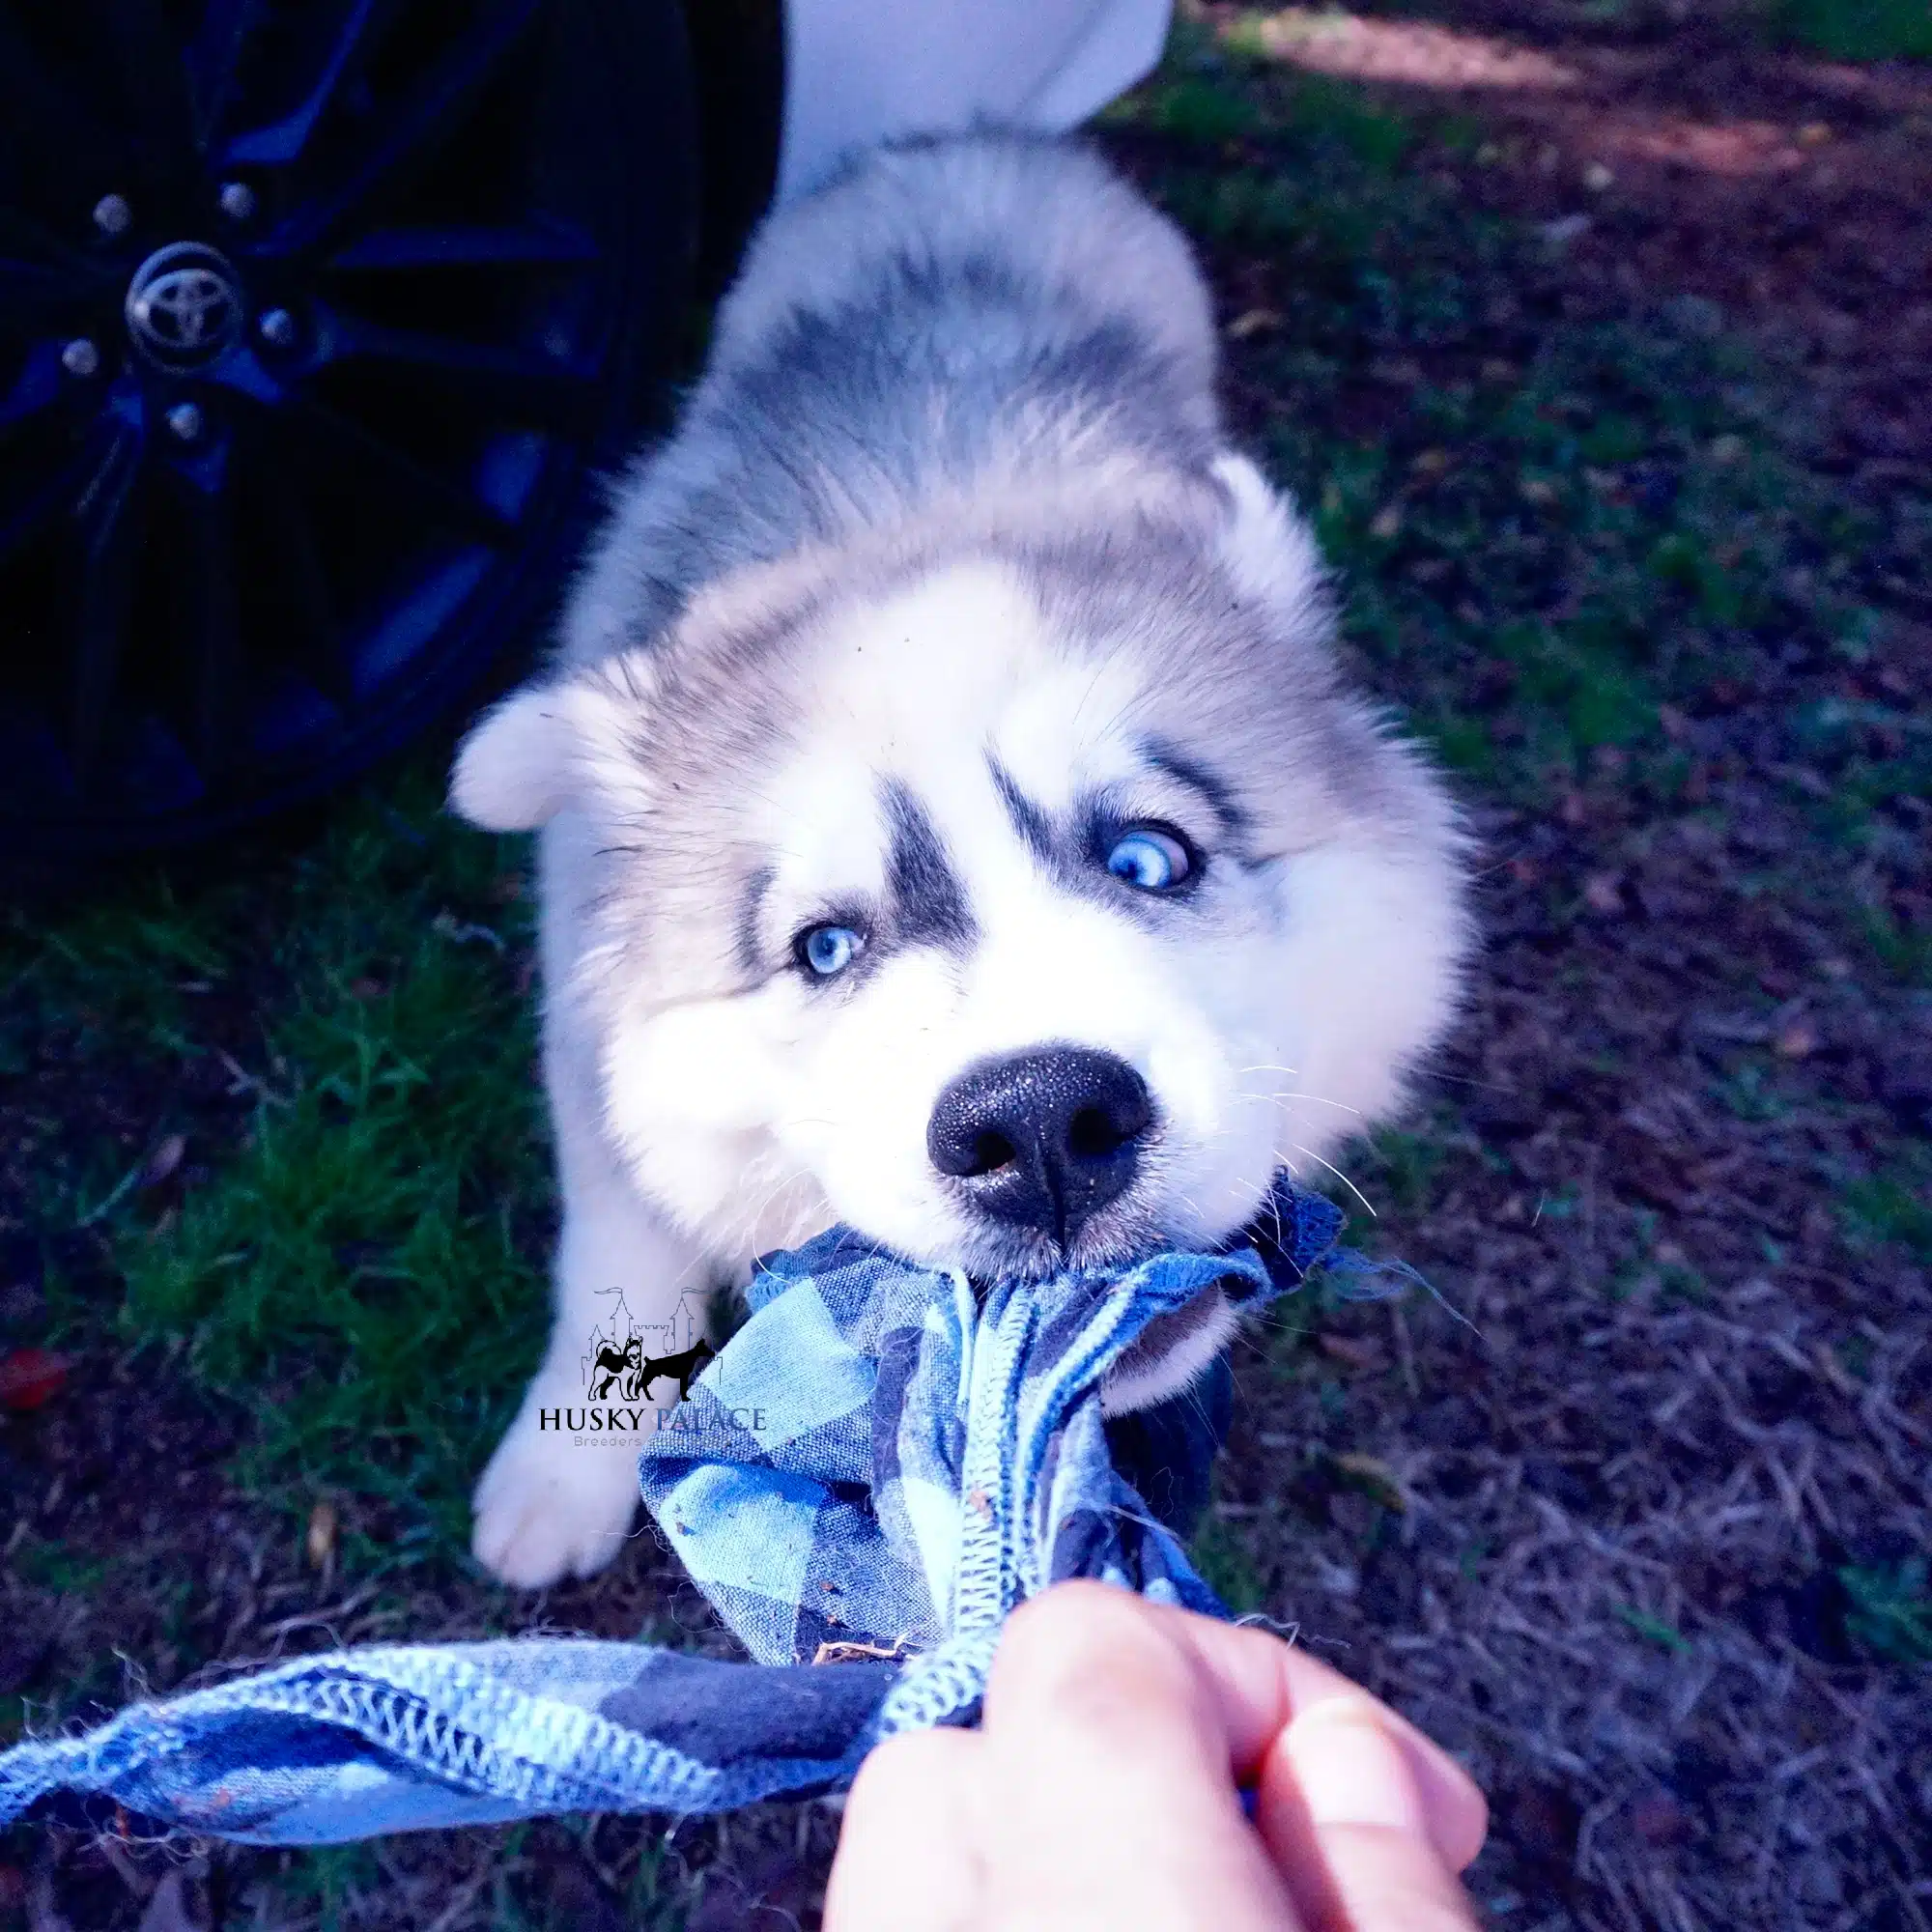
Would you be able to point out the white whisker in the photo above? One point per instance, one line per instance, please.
(1339, 1175)
(1291, 1094)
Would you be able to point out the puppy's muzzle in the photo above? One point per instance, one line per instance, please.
(1043, 1140)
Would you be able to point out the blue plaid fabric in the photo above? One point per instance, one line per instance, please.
(878, 1469)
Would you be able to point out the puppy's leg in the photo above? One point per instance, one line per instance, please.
(547, 1506)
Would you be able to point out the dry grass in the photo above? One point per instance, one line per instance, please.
(1641, 1527)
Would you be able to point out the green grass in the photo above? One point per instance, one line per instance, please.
(1610, 517)
(49, 1567)
(1601, 521)
(1891, 1613)
(1856, 30)
(326, 1881)
(1217, 94)
(1221, 1554)
(1598, 524)
(1751, 1094)
(329, 1886)
(1603, 608)
(1195, 109)
(357, 1279)
(1905, 953)
(1406, 1164)
(1894, 1205)
(360, 1274)
(1605, 523)
(1653, 1630)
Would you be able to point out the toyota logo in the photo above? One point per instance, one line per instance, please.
(184, 305)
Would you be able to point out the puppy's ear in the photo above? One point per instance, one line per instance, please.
(546, 747)
(512, 770)
(1266, 548)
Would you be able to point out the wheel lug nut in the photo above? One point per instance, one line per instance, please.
(80, 358)
(238, 200)
(112, 215)
(277, 327)
(184, 421)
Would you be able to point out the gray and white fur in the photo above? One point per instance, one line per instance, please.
(954, 818)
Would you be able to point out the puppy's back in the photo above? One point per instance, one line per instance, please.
(921, 231)
(948, 322)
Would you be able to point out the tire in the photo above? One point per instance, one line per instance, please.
(314, 322)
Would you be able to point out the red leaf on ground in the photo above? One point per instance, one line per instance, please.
(29, 1378)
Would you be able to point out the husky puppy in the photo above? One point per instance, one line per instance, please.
(954, 818)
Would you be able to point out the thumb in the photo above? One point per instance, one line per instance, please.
(1340, 1806)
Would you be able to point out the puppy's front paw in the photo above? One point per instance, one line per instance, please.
(545, 1509)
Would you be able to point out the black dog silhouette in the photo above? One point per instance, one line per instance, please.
(684, 1367)
(615, 1362)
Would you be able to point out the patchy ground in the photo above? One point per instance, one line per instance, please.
(1787, 188)
(1595, 341)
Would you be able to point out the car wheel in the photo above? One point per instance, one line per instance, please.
(314, 321)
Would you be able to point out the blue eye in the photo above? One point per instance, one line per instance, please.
(828, 950)
(1149, 860)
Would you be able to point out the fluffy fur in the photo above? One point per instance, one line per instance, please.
(947, 576)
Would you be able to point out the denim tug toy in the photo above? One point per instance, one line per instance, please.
(879, 1466)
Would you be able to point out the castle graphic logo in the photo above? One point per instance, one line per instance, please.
(627, 1365)
(624, 1356)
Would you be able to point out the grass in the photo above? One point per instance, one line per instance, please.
(1597, 531)
(1557, 539)
(1894, 1205)
(327, 1881)
(1856, 30)
(51, 1567)
(1550, 554)
(1653, 1630)
(1902, 951)
(1227, 1567)
(1406, 1164)
(359, 1275)
(1891, 1613)
(1607, 520)
(362, 1273)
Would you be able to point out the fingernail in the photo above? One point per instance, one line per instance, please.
(1351, 1771)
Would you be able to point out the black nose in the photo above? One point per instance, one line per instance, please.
(1043, 1139)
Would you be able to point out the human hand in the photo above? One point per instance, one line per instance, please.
(1103, 1789)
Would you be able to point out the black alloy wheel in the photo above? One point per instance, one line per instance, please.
(316, 316)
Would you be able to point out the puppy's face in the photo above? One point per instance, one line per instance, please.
(1019, 907)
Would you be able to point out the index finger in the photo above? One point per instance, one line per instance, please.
(1107, 1788)
(1260, 1685)
(1264, 1685)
